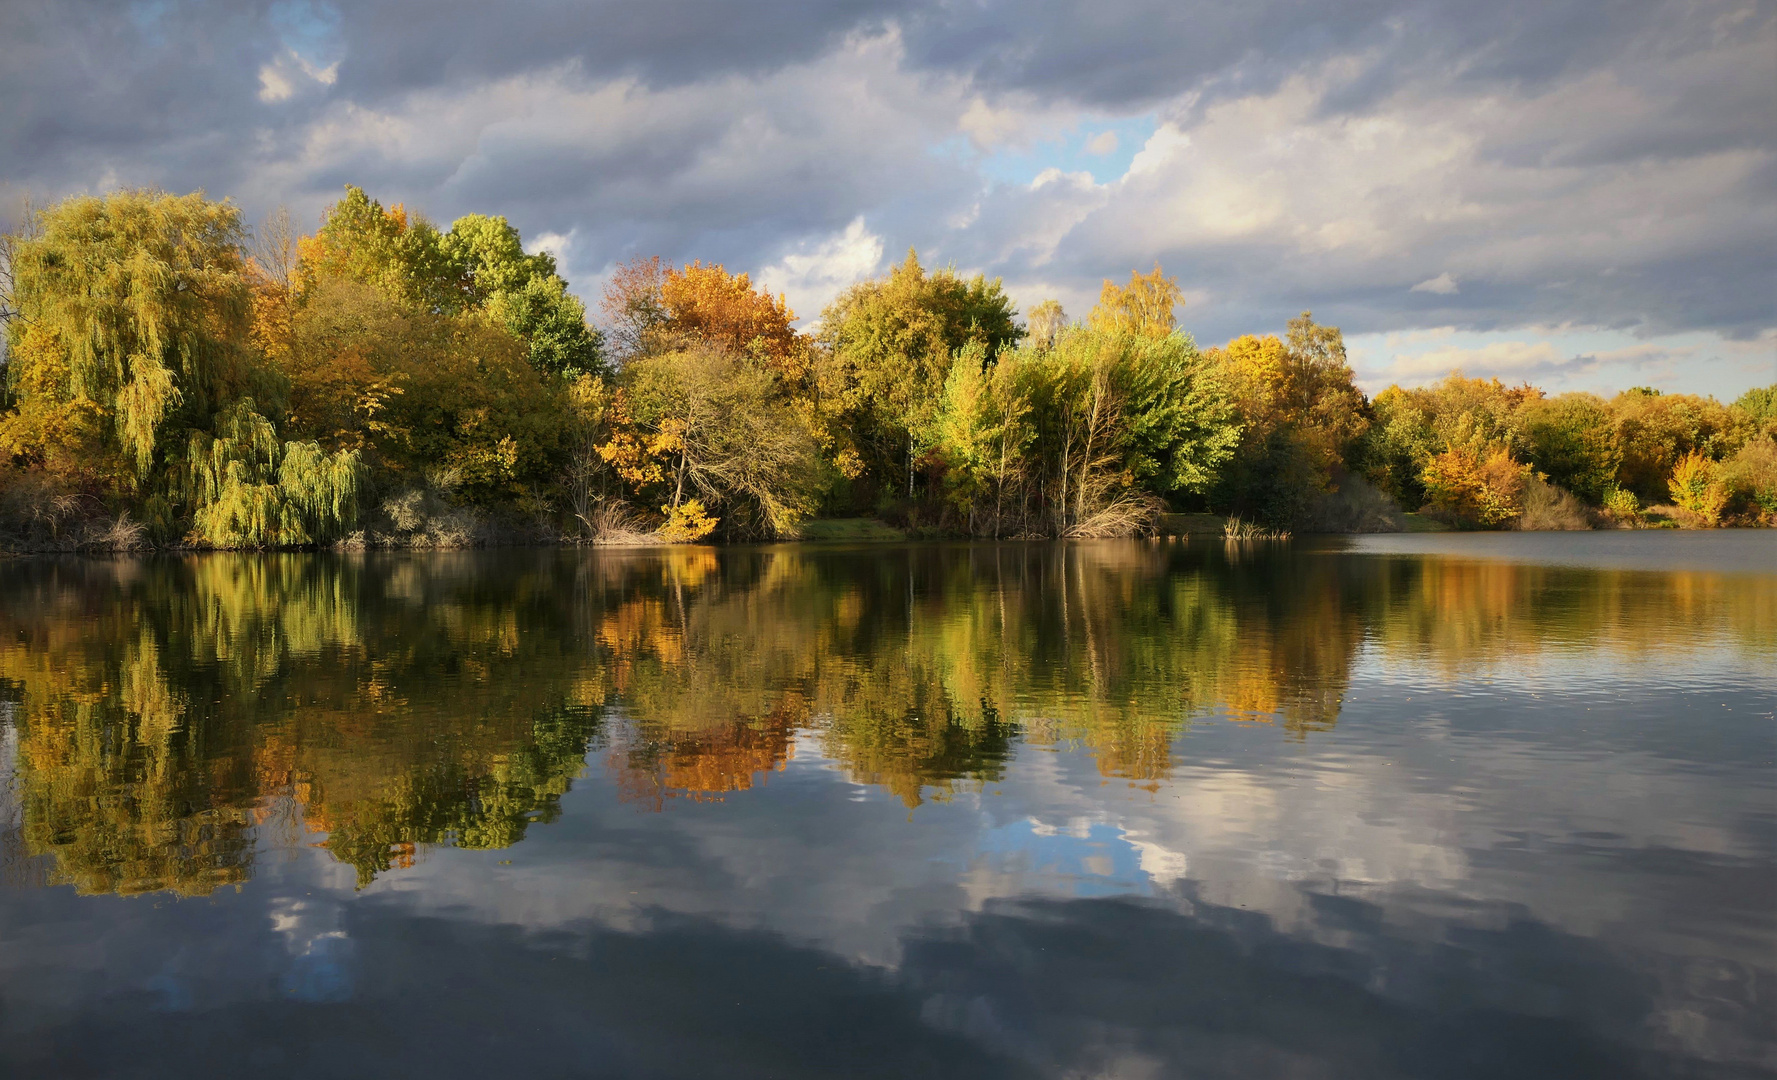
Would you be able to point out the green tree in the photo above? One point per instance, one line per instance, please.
(1759, 408)
(525, 294)
(889, 347)
(1572, 441)
(982, 431)
(1084, 437)
(401, 255)
(1399, 445)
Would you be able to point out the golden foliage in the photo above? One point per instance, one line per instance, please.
(686, 523)
(723, 309)
(1697, 486)
(1144, 306)
(1476, 488)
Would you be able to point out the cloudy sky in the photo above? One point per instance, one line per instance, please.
(1583, 194)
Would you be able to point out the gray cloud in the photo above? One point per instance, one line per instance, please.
(1607, 165)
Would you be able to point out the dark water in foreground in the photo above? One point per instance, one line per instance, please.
(1499, 806)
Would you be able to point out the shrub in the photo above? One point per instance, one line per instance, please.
(1697, 486)
(425, 517)
(686, 523)
(613, 521)
(1354, 507)
(1622, 508)
(1475, 491)
(38, 514)
(1622, 501)
(1551, 508)
(1751, 476)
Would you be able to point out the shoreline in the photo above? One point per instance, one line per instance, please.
(821, 533)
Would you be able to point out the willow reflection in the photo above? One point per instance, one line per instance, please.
(166, 713)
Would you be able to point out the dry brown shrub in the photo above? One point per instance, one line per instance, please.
(616, 523)
(1551, 508)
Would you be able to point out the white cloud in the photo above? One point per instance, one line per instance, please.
(555, 244)
(809, 277)
(289, 73)
(988, 126)
(274, 84)
(1498, 358)
(1105, 142)
(1443, 285)
(1166, 144)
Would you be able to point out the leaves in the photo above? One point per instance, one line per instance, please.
(1145, 306)
(138, 303)
(1476, 488)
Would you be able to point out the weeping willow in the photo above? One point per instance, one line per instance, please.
(250, 491)
(144, 293)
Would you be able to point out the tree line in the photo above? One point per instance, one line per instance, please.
(172, 377)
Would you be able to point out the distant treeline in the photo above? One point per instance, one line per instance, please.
(172, 378)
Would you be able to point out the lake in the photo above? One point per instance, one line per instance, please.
(1489, 805)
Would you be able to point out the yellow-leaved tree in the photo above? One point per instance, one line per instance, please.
(1144, 306)
(132, 346)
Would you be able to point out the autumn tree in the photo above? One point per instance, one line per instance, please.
(1045, 323)
(707, 304)
(1144, 306)
(632, 307)
(1476, 488)
(705, 423)
(424, 396)
(1411, 427)
(1657, 431)
(1303, 420)
(889, 345)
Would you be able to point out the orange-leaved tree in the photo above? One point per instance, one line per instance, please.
(725, 310)
(1476, 488)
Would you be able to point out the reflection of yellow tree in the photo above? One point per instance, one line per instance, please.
(1462, 615)
(116, 785)
(163, 710)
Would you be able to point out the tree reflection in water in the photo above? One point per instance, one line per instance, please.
(164, 714)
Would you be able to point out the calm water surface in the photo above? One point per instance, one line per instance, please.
(1414, 806)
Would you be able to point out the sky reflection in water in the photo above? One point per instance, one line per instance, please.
(1411, 806)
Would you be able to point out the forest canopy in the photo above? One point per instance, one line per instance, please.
(174, 377)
